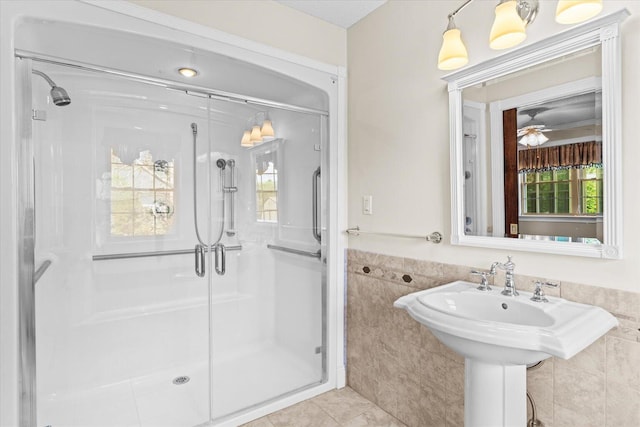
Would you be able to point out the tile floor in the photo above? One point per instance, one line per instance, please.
(337, 408)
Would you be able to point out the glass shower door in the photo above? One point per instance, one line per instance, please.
(122, 319)
(267, 311)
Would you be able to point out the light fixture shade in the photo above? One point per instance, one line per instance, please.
(256, 136)
(574, 11)
(453, 53)
(508, 28)
(267, 129)
(533, 138)
(246, 139)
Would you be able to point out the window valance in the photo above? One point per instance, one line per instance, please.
(578, 155)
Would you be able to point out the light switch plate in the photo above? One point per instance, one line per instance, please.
(367, 205)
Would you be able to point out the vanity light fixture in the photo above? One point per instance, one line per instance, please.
(261, 130)
(509, 26)
(188, 72)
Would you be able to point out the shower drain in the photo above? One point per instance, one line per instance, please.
(181, 380)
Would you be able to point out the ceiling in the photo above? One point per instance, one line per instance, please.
(563, 113)
(343, 13)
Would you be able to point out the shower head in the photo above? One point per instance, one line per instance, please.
(59, 96)
(221, 163)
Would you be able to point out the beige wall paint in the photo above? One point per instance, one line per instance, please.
(399, 137)
(264, 21)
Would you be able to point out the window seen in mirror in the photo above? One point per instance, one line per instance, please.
(142, 196)
(570, 191)
(266, 192)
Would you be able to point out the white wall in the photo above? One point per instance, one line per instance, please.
(265, 21)
(399, 136)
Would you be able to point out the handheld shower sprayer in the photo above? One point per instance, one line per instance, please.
(59, 96)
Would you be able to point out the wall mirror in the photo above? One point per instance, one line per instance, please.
(536, 147)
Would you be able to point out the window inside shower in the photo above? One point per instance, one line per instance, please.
(266, 170)
(141, 194)
(126, 332)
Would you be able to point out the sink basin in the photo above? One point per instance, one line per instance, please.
(486, 325)
(498, 336)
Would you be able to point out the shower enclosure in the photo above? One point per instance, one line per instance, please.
(178, 276)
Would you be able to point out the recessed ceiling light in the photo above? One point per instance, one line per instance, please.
(188, 72)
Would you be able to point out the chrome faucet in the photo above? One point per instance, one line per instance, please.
(509, 283)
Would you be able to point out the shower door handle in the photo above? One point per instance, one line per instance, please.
(200, 260)
(220, 255)
(315, 226)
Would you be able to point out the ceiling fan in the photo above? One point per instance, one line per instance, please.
(531, 134)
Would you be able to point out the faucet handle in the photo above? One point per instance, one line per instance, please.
(484, 283)
(538, 293)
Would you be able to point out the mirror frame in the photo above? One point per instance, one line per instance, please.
(603, 32)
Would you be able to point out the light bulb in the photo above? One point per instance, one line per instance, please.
(188, 72)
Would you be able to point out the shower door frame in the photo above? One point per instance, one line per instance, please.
(328, 78)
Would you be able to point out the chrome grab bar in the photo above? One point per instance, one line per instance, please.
(434, 237)
(314, 205)
(316, 254)
(232, 197)
(200, 261)
(41, 270)
(108, 257)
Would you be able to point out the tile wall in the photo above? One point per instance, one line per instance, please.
(403, 368)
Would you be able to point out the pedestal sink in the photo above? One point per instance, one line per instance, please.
(499, 336)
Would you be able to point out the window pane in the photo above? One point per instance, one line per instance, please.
(143, 177)
(144, 201)
(121, 201)
(143, 224)
(163, 224)
(562, 175)
(121, 225)
(563, 198)
(164, 178)
(121, 176)
(545, 176)
(592, 196)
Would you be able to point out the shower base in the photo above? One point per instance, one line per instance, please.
(248, 378)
